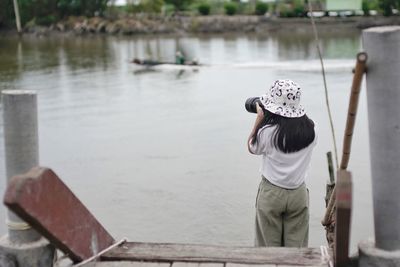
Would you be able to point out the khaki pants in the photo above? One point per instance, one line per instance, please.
(281, 216)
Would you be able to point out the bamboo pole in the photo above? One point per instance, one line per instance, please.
(353, 105)
(330, 167)
(17, 17)
(348, 136)
(314, 27)
(331, 184)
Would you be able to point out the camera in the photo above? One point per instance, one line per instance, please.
(250, 104)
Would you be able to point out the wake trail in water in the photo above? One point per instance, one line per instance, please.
(300, 65)
(332, 65)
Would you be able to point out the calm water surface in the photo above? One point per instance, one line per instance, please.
(161, 155)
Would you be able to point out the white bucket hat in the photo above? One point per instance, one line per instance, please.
(283, 99)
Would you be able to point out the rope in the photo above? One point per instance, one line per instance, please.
(325, 256)
(324, 78)
(101, 253)
(17, 226)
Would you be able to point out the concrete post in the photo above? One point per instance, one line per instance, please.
(21, 153)
(21, 150)
(383, 93)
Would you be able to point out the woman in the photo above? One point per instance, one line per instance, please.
(284, 136)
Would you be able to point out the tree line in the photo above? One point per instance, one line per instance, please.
(46, 12)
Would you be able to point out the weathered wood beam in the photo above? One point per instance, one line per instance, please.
(196, 264)
(41, 199)
(127, 264)
(249, 265)
(218, 254)
(188, 264)
(343, 216)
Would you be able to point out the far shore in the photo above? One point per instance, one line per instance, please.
(139, 25)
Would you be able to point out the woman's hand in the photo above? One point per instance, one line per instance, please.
(260, 114)
(257, 124)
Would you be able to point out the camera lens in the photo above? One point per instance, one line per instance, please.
(250, 104)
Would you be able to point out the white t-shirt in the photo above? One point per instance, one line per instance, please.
(286, 170)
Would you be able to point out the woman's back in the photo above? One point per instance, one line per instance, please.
(284, 169)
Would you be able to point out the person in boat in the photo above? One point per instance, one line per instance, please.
(179, 58)
(285, 137)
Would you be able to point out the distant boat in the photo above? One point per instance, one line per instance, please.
(148, 63)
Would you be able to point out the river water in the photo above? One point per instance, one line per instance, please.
(161, 155)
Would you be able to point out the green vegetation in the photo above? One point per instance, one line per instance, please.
(230, 8)
(179, 5)
(153, 6)
(296, 8)
(387, 6)
(204, 8)
(46, 12)
(261, 8)
(64, 8)
(368, 5)
(6, 13)
(146, 6)
(299, 8)
(285, 11)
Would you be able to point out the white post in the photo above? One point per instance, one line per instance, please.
(23, 245)
(17, 17)
(21, 149)
(382, 45)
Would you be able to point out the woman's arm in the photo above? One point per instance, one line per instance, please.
(257, 124)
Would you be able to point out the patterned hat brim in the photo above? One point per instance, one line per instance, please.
(284, 111)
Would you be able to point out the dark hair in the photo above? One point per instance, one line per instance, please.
(291, 134)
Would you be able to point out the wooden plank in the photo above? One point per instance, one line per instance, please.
(269, 265)
(187, 264)
(127, 264)
(41, 199)
(249, 265)
(343, 216)
(196, 264)
(220, 254)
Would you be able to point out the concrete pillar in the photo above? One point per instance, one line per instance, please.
(371, 256)
(383, 95)
(23, 243)
(21, 149)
